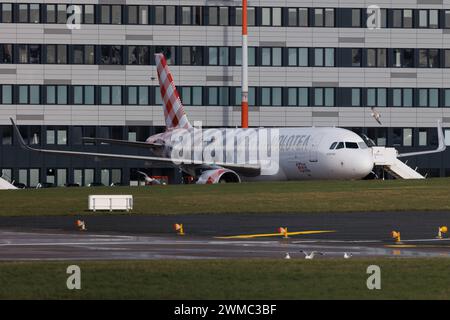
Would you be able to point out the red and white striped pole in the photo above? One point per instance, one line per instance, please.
(244, 111)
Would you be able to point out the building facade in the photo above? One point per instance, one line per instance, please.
(312, 63)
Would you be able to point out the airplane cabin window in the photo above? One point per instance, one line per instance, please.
(340, 145)
(362, 145)
(333, 145)
(351, 145)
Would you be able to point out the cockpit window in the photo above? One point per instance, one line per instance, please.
(351, 145)
(362, 145)
(333, 145)
(340, 145)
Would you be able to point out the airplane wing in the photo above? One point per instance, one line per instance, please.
(441, 146)
(124, 142)
(245, 169)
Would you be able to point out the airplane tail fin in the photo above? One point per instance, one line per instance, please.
(173, 108)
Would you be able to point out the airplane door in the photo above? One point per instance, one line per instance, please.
(314, 149)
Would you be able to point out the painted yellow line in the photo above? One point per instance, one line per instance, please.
(249, 236)
(415, 246)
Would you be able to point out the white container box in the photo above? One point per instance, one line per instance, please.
(110, 202)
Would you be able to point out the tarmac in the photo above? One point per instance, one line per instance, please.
(139, 237)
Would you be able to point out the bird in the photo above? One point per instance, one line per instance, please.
(311, 255)
(287, 257)
(347, 255)
(376, 115)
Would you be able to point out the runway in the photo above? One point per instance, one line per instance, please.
(120, 237)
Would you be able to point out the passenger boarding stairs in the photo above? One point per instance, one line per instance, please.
(387, 158)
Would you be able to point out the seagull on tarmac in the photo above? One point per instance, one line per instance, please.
(287, 257)
(347, 255)
(311, 255)
(376, 115)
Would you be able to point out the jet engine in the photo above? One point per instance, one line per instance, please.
(218, 176)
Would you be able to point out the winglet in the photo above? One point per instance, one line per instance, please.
(441, 144)
(19, 136)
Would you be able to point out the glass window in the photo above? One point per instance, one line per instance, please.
(132, 14)
(407, 18)
(78, 95)
(198, 16)
(329, 17)
(51, 95)
(423, 58)
(329, 97)
(266, 56)
(371, 57)
(116, 14)
(318, 96)
(423, 97)
(23, 13)
(397, 58)
(397, 97)
(51, 53)
(23, 94)
(265, 16)
(170, 15)
(292, 96)
(6, 13)
(356, 97)
(292, 17)
(224, 96)
(434, 19)
(292, 56)
(89, 55)
(371, 97)
(407, 137)
(408, 58)
(6, 53)
(213, 16)
(105, 95)
(34, 95)
(277, 56)
(356, 57)
(265, 97)
(197, 96)
(34, 13)
(329, 57)
(89, 94)
(397, 18)
(223, 56)
(303, 97)
(276, 17)
(105, 13)
(50, 13)
(223, 16)
(303, 57)
(422, 137)
(423, 18)
(407, 97)
(276, 97)
(303, 17)
(7, 94)
(318, 57)
(213, 55)
(213, 96)
(318, 18)
(143, 95)
(62, 13)
(433, 58)
(89, 17)
(51, 137)
(382, 58)
(186, 15)
(434, 98)
(159, 15)
(381, 98)
(186, 95)
(447, 97)
(447, 19)
(62, 94)
(62, 54)
(251, 16)
(116, 95)
(356, 18)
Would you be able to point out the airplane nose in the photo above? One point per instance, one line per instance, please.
(364, 165)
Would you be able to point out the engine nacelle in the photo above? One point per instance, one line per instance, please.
(218, 176)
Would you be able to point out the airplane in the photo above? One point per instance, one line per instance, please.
(302, 153)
